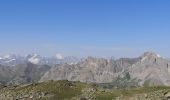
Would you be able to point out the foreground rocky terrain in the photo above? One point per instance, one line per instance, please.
(65, 90)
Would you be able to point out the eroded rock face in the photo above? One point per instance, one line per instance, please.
(91, 70)
(148, 69)
(22, 73)
(151, 70)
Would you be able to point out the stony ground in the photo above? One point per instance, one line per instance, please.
(65, 90)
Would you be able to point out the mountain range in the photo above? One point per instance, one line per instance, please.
(149, 69)
(12, 59)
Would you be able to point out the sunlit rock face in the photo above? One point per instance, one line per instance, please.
(148, 69)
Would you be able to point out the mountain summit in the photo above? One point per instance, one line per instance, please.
(151, 54)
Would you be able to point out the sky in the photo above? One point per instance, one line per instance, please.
(104, 28)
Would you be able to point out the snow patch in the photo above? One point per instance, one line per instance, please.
(59, 56)
(159, 56)
(10, 60)
(34, 60)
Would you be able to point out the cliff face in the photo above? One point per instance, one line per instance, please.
(151, 70)
(148, 69)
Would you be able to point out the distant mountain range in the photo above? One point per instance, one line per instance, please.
(149, 69)
(12, 60)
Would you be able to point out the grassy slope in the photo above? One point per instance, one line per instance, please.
(129, 92)
(64, 90)
(60, 90)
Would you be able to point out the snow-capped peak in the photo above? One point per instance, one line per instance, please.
(59, 56)
(35, 58)
(9, 56)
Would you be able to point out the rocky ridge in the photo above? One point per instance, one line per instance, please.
(149, 69)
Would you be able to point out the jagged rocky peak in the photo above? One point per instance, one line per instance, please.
(94, 59)
(151, 54)
(9, 56)
(34, 58)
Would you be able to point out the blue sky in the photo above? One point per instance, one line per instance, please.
(85, 27)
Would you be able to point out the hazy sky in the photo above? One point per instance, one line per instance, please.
(85, 27)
